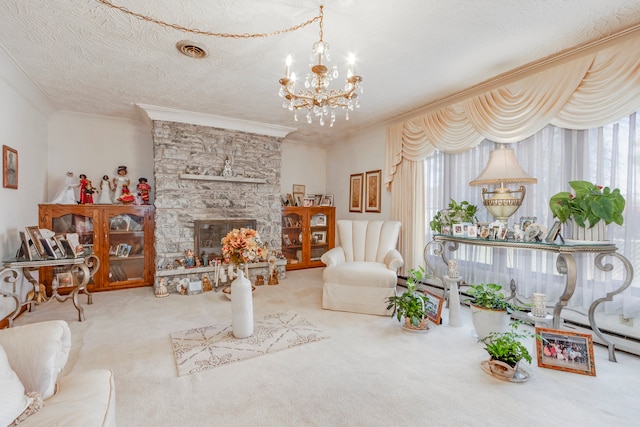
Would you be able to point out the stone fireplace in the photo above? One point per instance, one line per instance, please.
(188, 164)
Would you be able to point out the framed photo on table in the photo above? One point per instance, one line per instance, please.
(355, 192)
(34, 234)
(373, 191)
(9, 167)
(565, 351)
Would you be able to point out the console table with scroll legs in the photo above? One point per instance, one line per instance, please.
(86, 265)
(565, 264)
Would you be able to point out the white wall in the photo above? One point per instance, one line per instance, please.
(359, 154)
(23, 126)
(96, 146)
(303, 164)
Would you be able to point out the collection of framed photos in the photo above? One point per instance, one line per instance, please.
(365, 189)
(527, 230)
(300, 198)
(36, 243)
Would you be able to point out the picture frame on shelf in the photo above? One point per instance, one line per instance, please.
(48, 248)
(35, 236)
(308, 202)
(526, 221)
(318, 220)
(458, 230)
(70, 251)
(292, 201)
(299, 199)
(65, 280)
(554, 230)
(433, 307)
(319, 236)
(25, 249)
(318, 199)
(579, 360)
(373, 191)
(299, 189)
(327, 200)
(355, 192)
(9, 167)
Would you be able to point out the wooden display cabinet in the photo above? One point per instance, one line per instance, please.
(307, 233)
(120, 235)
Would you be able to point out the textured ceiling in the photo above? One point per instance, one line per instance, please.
(89, 58)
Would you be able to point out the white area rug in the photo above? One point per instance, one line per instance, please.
(199, 349)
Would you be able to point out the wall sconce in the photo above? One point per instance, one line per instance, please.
(503, 168)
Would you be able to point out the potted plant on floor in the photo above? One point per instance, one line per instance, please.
(506, 350)
(410, 306)
(490, 309)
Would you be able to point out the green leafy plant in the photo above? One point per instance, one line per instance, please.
(455, 213)
(507, 346)
(411, 303)
(590, 203)
(489, 296)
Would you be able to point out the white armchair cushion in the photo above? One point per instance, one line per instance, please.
(12, 399)
(38, 352)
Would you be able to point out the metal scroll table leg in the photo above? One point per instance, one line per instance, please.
(9, 275)
(566, 264)
(609, 296)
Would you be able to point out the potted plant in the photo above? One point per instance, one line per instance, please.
(455, 213)
(591, 205)
(506, 350)
(411, 304)
(490, 309)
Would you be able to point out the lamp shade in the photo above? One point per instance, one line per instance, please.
(503, 168)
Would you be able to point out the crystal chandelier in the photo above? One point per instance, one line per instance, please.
(317, 98)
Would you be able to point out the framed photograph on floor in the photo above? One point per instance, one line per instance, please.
(565, 351)
(9, 167)
(373, 191)
(355, 192)
(433, 307)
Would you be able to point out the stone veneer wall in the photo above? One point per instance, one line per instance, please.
(179, 202)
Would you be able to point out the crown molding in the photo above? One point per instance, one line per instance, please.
(191, 117)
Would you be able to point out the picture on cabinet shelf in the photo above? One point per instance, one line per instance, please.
(319, 236)
(123, 250)
(299, 199)
(327, 200)
(292, 201)
(319, 220)
(286, 240)
(565, 351)
(318, 199)
(308, 202)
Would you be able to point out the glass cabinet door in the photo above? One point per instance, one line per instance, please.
(292, 238)
(319, 236)
(126, 247)
(78, 230)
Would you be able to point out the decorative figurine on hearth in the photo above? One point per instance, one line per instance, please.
(144, 188)
(206, 283)
(189, 258)
(66, 195)
(105, 191)
(161, 289)
(119, 182)
(227, 171)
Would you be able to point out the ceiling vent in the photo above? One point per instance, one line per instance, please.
(191, 49)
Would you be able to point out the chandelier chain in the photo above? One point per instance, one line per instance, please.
(210, 33)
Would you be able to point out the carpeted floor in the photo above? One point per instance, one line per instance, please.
(369, 373)
(208, 347)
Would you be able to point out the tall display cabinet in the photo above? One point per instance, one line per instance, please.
(307, 233)
(120, 235)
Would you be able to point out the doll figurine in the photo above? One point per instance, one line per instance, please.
(119, 181)
(83, 185)
(143, 189)
(88, 192)
(66, 194)
(125, 196)
(105, 191)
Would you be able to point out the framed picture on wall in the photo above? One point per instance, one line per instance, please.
(355, 192)
(9, 167)
(373, 191)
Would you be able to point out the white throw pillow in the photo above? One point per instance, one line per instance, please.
(12, 399)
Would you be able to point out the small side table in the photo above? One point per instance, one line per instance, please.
(453, 299)
(87, 264)
(541, 322)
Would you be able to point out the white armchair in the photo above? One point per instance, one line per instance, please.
(361, 273)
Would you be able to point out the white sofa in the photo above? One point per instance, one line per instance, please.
(361, 272)
(31, 359)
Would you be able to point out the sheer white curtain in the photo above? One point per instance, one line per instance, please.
(608, 155)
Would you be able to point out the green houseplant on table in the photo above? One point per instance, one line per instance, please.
(455, 213)
(490, 309)
(591, 205)
(411, 304)
(506, 350)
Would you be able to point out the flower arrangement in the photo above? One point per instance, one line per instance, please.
(242, 246)
(590, 203)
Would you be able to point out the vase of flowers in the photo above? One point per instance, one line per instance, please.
(590, 208)
(241, 246)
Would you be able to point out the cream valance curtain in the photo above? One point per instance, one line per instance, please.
(589, 91)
